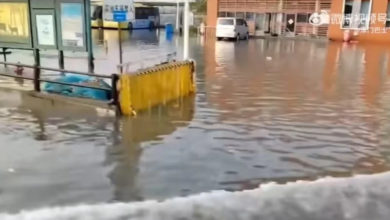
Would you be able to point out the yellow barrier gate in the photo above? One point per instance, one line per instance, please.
(156, 85)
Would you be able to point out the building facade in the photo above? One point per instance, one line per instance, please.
(364, 20)
(274, 17)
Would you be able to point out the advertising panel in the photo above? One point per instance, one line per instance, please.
(45, 30)
(72, 25)
(14, 23)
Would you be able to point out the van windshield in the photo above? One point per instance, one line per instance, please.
(226, 22)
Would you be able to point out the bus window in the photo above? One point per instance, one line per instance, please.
(144, 12)
(140, 13)
(97, 13)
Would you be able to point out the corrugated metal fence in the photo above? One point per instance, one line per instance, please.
(156, 85)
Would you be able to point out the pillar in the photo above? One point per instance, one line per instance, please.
(212, 13)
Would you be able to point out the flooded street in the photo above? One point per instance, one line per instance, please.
(265, 110)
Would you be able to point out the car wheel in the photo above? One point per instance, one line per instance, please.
(151, 25)
(238, 37)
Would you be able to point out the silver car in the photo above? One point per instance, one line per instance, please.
(232, 28)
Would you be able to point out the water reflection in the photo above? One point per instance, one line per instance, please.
(126, 152)
(314, 107)
(145, 36)
(330, 69)
(372, 80)
(77, 154)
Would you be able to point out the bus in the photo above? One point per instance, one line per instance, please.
(145, 17)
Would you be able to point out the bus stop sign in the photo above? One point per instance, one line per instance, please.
(120, 16)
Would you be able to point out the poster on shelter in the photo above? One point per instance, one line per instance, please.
(72, 25)
(14, 24)
(45, 30)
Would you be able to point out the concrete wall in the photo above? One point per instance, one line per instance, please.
(378, 7)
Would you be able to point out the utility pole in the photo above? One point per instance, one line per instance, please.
(186, 29)
(177, 16)
(91, 66)
(120, 48)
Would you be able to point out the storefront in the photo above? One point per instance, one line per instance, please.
(272, 17)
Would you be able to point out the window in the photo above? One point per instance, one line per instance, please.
(230, 14)
(97, 12)
(221, 14)
(260, 22)
(239, 22)
(356, 14)
(250, 16)
(388, 15)
(302, 18)
(364, 14)
(240, 15)
(226, 22)
(347, 13)
(144, 12)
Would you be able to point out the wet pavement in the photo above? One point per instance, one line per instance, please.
(265, 110)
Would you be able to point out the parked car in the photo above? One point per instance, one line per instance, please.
(232, 28)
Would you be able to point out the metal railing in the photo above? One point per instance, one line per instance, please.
(37, 79)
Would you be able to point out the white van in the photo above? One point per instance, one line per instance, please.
(233, 28)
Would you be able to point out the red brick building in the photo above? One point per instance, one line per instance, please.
(278, 17)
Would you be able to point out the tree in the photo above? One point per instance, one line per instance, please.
(199, 7)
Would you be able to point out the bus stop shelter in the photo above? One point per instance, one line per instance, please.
(46, 24)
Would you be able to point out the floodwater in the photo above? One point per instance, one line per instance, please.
(265, 111)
